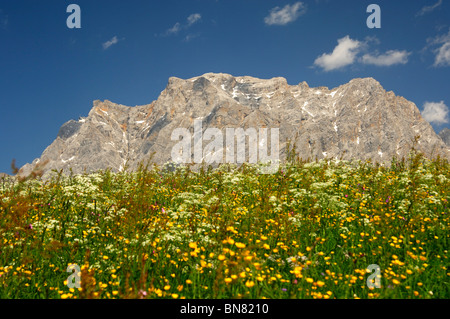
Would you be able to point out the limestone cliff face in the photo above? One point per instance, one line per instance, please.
(445, 136)
(357, 120)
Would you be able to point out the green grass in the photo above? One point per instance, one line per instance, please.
(308, 231)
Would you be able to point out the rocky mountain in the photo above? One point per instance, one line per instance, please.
(445, 136)
(357, 120)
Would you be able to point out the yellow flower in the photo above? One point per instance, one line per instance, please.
(228, 280)
(249, 284)
(265, 246)
(320, 283)
(231, 229)
(242, 274)
(188, 281)
(193, 245)
(115, 292)
(309, 280)
(221, 257)
(64, 296)
(105, 257)
(174, 296)
(240, 245)
(230, 241)
(395, 282)
(166, 287)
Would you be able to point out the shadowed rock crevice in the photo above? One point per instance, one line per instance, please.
(445, 136)
(69, 129)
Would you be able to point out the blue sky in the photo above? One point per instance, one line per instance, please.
(125, 52)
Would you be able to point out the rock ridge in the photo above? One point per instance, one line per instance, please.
(356, 120)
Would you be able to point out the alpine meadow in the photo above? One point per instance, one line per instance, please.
(308, 231)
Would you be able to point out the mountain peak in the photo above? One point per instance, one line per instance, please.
(365, 80)
(368, 82)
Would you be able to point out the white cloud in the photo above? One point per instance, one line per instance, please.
(193, 18)
(435, 112)
(189, 37)
(285, 15)
(441, 49)
(440, 46)
(174, 30)
(428, 9)
(391, 57)
(343, 54)
(348, 52)
(109, 43)
(443, 55)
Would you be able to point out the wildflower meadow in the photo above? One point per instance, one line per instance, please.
(310, 230)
